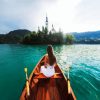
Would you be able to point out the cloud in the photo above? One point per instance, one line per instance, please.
(20, 13)
(87, 16)
(70, 15)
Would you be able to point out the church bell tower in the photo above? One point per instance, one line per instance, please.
(46, 22)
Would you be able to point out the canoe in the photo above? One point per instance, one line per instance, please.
(56, 87)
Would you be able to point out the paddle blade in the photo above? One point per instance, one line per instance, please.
(25, 70)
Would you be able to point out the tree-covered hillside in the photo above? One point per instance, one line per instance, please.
(92, 37)
(36, 37)
(44, 36)
(15, 36)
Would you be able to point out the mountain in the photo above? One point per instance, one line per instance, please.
(87, 37)
(14, 36)
(19, 33)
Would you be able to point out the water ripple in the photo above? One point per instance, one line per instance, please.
(85, 69)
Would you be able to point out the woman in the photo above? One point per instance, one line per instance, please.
(49, 63)
(50, 59)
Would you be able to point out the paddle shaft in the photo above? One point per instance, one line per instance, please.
(27, 84)
(68, 83)
(27, 88)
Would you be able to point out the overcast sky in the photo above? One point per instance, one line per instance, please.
(69, 15)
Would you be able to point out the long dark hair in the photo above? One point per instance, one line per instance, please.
(51, 57)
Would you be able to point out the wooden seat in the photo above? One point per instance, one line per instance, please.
(42, 76)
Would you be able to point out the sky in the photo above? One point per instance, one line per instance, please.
(68, 15)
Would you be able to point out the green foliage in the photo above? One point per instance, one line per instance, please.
(44, 37)
(69, 39)
(15, 36)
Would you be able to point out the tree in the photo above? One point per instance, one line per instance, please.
(69, 39)
(26, 39)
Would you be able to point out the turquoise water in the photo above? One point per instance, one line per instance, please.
(84, 71)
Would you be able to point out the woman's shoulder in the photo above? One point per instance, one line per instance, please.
(46, 55)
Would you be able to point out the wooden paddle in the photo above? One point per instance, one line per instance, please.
(27, 82)
(69, 91)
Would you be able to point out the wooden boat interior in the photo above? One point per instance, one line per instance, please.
(44, 88)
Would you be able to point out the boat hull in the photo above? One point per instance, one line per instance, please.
(43, 88)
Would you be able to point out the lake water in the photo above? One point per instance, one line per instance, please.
(84, 71)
